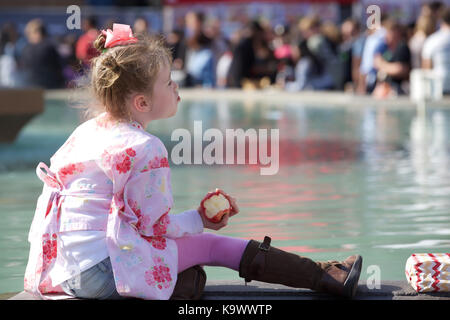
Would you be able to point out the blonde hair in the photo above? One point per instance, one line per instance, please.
(35, 25)
(426, 24)
(122, 70)
(309, 22)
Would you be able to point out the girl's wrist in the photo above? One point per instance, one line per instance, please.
(202, 216)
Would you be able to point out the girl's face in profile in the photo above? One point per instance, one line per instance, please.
(165, 98)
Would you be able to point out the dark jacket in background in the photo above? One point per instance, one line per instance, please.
(243, 59)
(42, 66)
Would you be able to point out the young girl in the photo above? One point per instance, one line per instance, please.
(102, 227)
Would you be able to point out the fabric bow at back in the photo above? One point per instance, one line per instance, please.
(121, 34)
(50, 179)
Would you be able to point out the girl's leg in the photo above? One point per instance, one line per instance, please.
(262, 262)
(96, 282)
(210, 249)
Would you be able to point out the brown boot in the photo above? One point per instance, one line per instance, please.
(341, 277)
(190, 284)
(262, 262)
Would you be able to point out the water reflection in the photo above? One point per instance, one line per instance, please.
(372, 181)
(429, 150)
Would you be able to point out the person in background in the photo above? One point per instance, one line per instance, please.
(392, 60)
(321, 48)
(309, 73)
(174, 42)
(196, 54)
(436, 51)
(40, 61)
(367, 72)
(253, 59)
(425, 26)
(8, 62)
(281, 41)
(284, 54)
(350, 53)
(223, 66)
(84, 49)
(432, 9)
(72, 68)
(219, 44)
(224, 62)
(332, 35)
(140, 26)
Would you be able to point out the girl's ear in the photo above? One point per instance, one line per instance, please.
(141, 103)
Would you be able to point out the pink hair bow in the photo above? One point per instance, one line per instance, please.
(121, 34)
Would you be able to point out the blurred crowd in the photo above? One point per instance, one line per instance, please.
(309, 54)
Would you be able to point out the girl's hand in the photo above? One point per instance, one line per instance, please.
(211, 225)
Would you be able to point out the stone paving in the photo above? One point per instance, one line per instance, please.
(237, 290)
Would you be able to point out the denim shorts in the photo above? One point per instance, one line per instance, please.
(96, 282)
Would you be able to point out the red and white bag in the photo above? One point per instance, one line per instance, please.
(429, 272)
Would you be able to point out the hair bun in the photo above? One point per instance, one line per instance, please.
(111, 63)
(99, 43)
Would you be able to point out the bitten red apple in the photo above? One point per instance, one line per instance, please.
(215, 205)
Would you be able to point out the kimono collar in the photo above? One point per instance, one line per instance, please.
(136, 124)
(103, 118)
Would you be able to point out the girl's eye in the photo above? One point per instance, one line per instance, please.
(170, 82)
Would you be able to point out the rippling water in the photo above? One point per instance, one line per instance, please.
(369, 181)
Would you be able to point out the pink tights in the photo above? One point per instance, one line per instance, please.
(211, 250)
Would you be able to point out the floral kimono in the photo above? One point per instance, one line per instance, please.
(111, 176)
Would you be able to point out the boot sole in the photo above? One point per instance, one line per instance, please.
(351, 283)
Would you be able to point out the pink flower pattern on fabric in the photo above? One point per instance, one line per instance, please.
(122, 162)
(158, 242)
(49, 249)
(143, 220)
(70, 170)
(160, 227)
(125, 160)
(159, 275)
(156, 163)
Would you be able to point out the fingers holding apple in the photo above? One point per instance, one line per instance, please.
(234, 206)
(207, 223)
(215, 205)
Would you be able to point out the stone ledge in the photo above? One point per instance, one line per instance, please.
(309, 98)
(237, 290)
(389, 290)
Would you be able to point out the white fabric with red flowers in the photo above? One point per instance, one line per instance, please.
(110, 176)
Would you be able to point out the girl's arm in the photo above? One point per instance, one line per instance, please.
(143, 193)
(148, 202)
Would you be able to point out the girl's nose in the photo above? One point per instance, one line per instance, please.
(175, 86)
